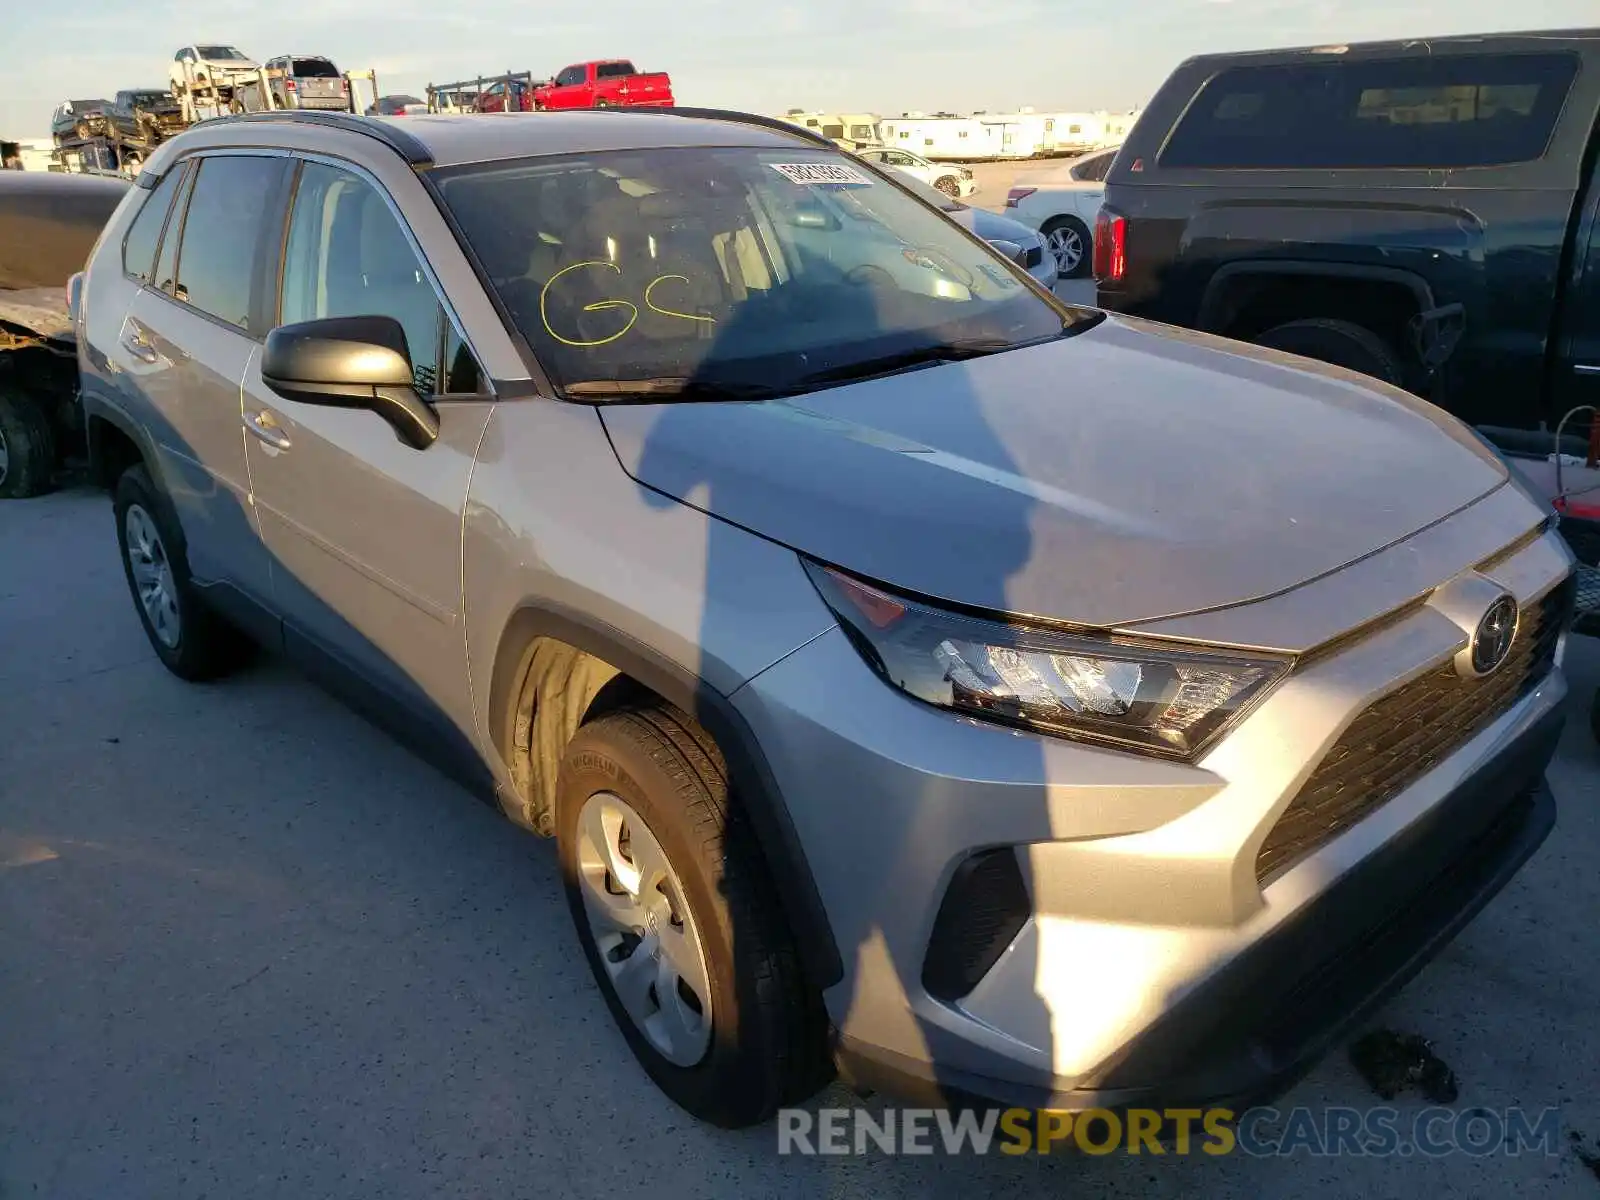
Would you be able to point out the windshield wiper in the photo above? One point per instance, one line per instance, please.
(673, 387)
(905, 360)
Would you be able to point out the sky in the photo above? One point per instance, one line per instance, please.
(883, 56)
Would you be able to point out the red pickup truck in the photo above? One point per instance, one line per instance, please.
(610, 83)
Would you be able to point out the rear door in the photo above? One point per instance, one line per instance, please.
(1090, 174)
(365, 531)
(185, 343)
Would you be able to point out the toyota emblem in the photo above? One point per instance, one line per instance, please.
(1491, 641)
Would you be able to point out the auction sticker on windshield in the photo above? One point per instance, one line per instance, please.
(816, 172)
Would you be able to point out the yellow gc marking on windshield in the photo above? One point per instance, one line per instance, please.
(601, 305)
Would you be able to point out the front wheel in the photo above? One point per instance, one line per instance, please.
(677, 918)
(948, 185)
(191, 640)
(27, 446)
(1068, 241)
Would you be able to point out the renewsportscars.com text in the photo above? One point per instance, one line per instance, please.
(1378, 1132)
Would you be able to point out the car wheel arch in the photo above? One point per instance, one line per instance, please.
(593, 669)
(116, 443)
(1221, 301)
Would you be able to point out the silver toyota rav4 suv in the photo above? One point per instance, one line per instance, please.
(993, 699)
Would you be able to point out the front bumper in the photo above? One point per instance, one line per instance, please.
(1248, 1034)
(1149, 960)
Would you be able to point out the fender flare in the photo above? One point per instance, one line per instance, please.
(748, 770)
(1213, 303)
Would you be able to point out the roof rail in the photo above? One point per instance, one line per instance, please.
(776, 124)
(398, 140)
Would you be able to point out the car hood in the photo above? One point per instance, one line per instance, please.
(990, 226)
(1131, 472)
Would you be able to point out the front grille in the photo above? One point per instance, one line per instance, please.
(1405, 734)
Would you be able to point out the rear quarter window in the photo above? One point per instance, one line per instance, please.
(139, 247)
(1412, 112)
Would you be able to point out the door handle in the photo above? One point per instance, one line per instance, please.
(135, 342)
(265, 426)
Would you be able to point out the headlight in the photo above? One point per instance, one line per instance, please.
(1135, 695)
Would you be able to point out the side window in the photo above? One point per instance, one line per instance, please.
(347, 256)
(139, 248)
(1093, 170)
(570, 77)
(222, 231)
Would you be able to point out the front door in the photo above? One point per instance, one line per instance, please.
(365, 531)
(1578, 378)
(186, 341)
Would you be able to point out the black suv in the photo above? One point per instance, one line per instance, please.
(1421, 211)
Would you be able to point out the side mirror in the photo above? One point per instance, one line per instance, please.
(351, 362)
(1010, 250)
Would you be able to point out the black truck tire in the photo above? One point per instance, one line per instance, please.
(27, 446)
(1341, 343)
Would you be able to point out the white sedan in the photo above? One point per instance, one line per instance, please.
(1063, 206)
(949, 178)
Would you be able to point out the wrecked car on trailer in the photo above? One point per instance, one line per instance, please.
(48, 224)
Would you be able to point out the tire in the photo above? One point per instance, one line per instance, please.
(197, 644)
(602, 104)
(765, 1038)
(949, 185)
(27, 447)
(1069, 240)
(1341, 343)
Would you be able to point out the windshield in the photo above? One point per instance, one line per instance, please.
(215, 53)
(752, 271)
(151, 97)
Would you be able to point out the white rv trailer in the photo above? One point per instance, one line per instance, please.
(985, 136)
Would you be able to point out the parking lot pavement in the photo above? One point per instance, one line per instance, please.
(251, 947)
